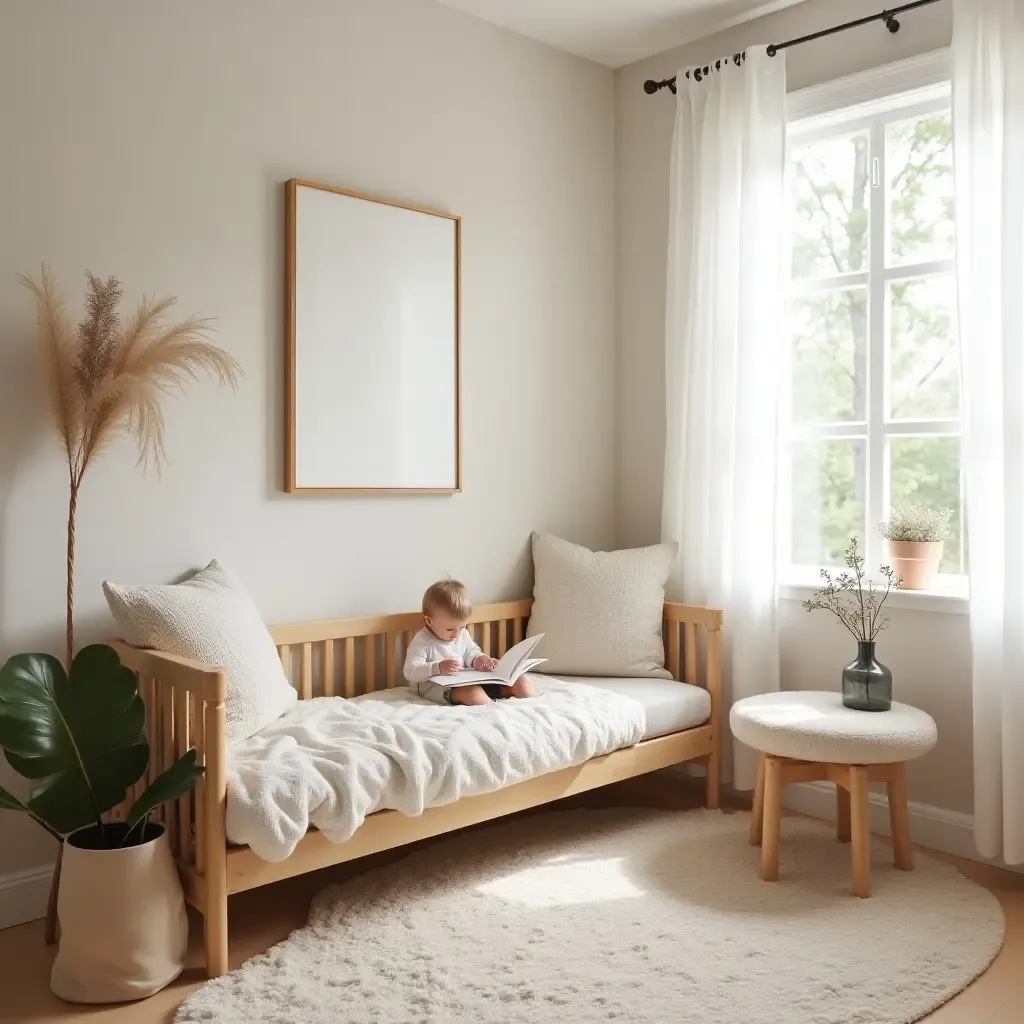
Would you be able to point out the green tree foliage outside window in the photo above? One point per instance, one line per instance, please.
(831, 203)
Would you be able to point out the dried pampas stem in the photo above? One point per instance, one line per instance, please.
(108, 378)
(97, 333)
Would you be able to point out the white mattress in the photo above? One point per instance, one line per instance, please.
(329, 762)
(669, 706)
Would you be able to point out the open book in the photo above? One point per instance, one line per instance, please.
(516, 661)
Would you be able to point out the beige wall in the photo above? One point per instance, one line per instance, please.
(928, 651)
(150, 140)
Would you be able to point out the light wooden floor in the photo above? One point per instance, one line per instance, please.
(264, 916)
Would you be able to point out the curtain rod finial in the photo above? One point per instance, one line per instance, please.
(651, 87)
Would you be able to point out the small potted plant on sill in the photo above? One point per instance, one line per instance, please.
(79, 740)
(854, 600)
(916, 536)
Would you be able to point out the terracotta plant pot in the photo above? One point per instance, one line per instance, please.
(916, 561)
(123, 929)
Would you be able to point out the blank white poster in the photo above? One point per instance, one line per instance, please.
(375, 374)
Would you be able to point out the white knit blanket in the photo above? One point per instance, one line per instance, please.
(330, 762)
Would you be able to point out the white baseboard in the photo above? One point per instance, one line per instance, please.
(23, 895)
(932, 827)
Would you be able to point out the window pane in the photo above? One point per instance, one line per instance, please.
(830, 344)
(829, 189)
(919, 163)
(926, 471)
(924, 356)
(828, 499)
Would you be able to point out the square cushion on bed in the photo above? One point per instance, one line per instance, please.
(601, 611)
(210, 618)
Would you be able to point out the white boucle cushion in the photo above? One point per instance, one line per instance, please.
(210, 618)
(815, 726)
(601, 611)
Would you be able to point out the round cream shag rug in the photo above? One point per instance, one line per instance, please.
(633, 916)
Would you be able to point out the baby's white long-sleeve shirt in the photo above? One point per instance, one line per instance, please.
(425, 654)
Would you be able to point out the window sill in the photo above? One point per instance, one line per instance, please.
(952, 598)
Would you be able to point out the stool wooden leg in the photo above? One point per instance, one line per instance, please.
(842, 814)
(903, 852)
(757, 812)
(771, 819)
(860, 829)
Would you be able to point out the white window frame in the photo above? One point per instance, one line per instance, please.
(916, 86)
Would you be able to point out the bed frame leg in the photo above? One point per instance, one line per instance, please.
(713, 781)
(215, 913)
(713, 669)
(215, 936)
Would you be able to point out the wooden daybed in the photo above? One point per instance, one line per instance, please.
(185, 708)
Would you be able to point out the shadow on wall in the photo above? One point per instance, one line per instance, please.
(518, 580)
(24, 426)
(274, 359)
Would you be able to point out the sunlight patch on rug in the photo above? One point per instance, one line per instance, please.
(563, 884)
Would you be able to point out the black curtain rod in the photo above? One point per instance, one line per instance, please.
(651, 86)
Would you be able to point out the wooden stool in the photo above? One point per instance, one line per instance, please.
(852, 821)
(785, 726)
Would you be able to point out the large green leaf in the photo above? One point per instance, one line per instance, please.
(9, 802)
(63, 801)
(81, 737)
(173, 783)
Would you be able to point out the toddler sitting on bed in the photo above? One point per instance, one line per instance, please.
(444, 646)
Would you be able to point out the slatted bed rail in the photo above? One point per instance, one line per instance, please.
(351, 657)
(185, 707)
(693, 654)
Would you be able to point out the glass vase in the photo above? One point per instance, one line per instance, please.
(867, 684)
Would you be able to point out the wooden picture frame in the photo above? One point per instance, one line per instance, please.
(335, 236)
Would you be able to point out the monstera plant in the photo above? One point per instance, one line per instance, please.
(79, 739)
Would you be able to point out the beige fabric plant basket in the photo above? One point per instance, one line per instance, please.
(916, 561)
(123, 929)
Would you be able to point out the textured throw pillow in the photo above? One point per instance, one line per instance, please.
(211, 619)
(601, 610)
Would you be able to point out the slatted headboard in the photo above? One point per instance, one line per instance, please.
(349, 657)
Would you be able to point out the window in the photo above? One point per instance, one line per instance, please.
(874, 372)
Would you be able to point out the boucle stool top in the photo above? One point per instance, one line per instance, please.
(811, 725)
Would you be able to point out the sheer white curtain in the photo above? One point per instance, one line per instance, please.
(723, 321)
(988, 149)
